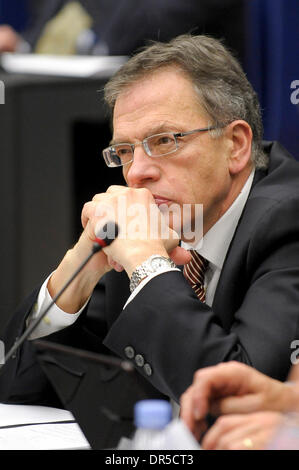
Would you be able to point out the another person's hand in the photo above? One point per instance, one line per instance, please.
(252, 431)
(231, 388)
(9, 39)
(294, 374)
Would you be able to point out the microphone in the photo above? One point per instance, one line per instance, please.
(104, 237)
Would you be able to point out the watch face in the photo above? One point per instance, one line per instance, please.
(159, 262)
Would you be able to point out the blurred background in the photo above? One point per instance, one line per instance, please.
(53, 124)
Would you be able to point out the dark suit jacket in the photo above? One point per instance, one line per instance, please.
(253, 319)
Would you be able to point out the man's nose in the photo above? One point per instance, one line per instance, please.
(142, 169)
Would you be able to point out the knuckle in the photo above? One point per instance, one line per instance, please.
(197, 374)
(183, 396)
(144, 192)
(222, 422)
(186, 395)
(86, 208)
(114, 187)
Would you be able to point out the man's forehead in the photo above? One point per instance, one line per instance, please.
(158, 103)
(168, 83)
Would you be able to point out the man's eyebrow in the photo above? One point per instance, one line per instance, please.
(157, 129)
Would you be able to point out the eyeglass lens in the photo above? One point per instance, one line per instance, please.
(154, 146)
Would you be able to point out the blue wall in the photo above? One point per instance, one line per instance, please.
(13, 12)
(273, 66)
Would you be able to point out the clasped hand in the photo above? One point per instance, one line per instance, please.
(143, 230)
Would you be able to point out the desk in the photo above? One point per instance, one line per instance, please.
(25, 427)
(52, 130)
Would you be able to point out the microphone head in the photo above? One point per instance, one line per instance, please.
(107, 233)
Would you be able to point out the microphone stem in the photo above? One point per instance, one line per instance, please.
(95, 249)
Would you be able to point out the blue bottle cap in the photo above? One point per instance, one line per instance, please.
(153, 414)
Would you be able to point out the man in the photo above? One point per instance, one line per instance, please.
(187, 132)
(255, 406)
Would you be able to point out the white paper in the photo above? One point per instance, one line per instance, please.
(48, 433)
(23, 414)
(68, 66)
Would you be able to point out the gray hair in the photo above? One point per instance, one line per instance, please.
(222, 86)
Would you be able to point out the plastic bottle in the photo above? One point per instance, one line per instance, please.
(151, 418)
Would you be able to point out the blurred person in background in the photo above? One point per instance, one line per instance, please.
(119, 28)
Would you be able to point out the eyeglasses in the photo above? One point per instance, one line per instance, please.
(156, 145)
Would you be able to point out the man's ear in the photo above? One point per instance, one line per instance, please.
(240, 134)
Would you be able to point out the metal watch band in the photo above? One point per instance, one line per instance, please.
(147, 268)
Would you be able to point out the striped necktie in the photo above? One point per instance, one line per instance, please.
(194, 272)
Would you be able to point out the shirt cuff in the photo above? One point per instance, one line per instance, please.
(145, 281)
(55, 320)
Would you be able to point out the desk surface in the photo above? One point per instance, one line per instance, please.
(26, 427)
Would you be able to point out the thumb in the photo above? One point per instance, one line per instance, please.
(180, 256)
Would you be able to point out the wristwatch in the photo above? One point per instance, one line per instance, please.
(153, 264)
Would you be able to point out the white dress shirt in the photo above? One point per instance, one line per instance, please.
(213, 247)
(217, 240)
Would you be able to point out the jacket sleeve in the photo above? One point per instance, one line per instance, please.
(22, 380)
(170, 334)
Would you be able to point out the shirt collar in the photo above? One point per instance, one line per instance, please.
(216, 241)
